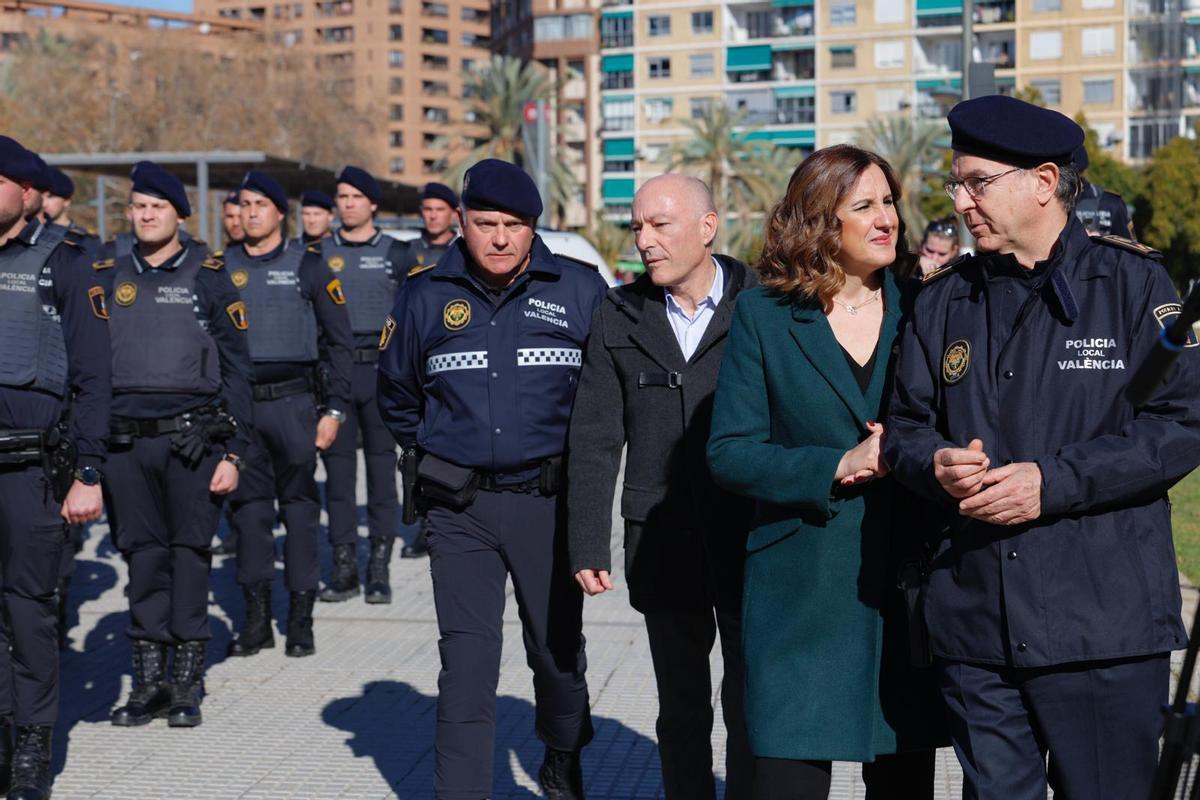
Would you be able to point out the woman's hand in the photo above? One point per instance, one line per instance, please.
(865, 462)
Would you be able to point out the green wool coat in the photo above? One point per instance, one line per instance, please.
(824, 631)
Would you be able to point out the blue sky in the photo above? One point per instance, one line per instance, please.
(163, 5)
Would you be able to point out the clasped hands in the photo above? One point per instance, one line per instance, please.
(1007, 495)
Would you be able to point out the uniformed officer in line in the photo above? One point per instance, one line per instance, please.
(368, 263)
(181, 417)
(480, 361)
(439, 207)
(52, 324)
(1101, 212)
(297, 312)
(1053, 597)
(231, 219)
(316, 216)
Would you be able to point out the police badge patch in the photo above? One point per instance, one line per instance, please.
(99, 307)
(337, 263)
(1166, 314)
(334, 288)
(237, 315)
(456, 315)
(125, 294)
(241, 278)
(956, 361)
(385, 336)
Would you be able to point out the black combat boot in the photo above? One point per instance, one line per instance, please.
(300, 624)
(343, 584)
(256, 633)
(31, 778)
(561, 776)
(379, 582)
(64, 591)
(6, 754)
(187, 685)
(151, 696)
(419, 548)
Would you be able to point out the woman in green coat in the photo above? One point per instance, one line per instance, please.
(803, 381)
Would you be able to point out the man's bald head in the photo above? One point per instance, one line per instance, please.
(674, 223)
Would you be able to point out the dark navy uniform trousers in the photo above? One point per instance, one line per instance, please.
(280, 464)
(1099, 721)
(341, 467)
(32, 538)
(163, 519)
(472, 553)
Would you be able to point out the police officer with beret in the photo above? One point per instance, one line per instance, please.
(481, 357)
(231, 219)
(1053, 597)
(54, 410)
(1101, 212)
(300, 345)
(56, 208)
(368, 263)
(181, 415)
(316, 216)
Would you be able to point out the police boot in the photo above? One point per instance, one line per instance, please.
(343, 584)
(6, 754)
(561, 776)
(256, 632)
(31, 778)
(379, 583)
(187, 685)
(151, 696)
(300, 624)
(419, 548)
(64, 589)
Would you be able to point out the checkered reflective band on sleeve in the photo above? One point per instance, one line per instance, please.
(549, 356)
(448, 362)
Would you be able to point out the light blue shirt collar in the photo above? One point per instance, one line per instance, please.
(690, 330)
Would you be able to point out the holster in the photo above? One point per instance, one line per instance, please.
(913, 580)
(409, 458)
(53, 449)
(445, 483)
(550, 476)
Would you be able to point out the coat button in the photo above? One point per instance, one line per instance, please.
(1012, 555)
(1008, 374)
(1022, 647)
(497, 431)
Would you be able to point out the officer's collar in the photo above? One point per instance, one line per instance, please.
(270, 255)
(170, 265)
(454, 263)
(425, 240)
(342, 242)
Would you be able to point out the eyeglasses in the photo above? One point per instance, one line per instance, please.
(946, 229)
(975, 185)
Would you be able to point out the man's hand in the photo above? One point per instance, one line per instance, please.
(1013, 496)
(865, 462)
(960, 470)
(327, 431)
(82, 504)
(593, 581)
(224, 479)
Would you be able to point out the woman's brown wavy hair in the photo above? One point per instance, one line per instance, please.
(804, 235)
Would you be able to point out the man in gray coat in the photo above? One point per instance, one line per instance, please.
(649, 374)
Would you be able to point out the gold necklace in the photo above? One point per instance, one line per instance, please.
(853, 310)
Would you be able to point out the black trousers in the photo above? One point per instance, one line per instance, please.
(163, 518)
(898, 776)
(341, 467)
(680, 643)
(472, 553)
(32, 538)
(280, 465)
(1099, 721)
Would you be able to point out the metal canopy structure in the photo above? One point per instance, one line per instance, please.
(214, 171)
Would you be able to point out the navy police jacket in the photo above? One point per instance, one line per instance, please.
(1035, 364)
(481, 383)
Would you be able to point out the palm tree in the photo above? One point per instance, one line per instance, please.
(610, 239)
(912, 150)
(746, 176)
(497, 96)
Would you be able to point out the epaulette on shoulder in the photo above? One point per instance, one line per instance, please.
(214, 261)
(73, 240)
(104, 263)
(417, 270)
(1120, 242)
(218, 254)
(578, 261)
(945, 269)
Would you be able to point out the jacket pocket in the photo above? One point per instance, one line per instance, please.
(637, 503)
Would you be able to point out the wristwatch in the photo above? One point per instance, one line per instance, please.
(334, 413)
(236, 460)
(89, 476)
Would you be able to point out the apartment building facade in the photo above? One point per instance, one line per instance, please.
(406, 63)
(811, 73)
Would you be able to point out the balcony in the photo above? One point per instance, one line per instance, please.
(991, 13)
(996, 47)
(1153, 43)
(617, 124)
(770, 23)
(781, 116)
(336, 8)
(1152, 92)
(1191, 91)
(435, 89)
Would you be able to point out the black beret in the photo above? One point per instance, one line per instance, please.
(41, 179)
(61, 184)
(440, 191)
(362, 180)
(268, 187)
(17, 163)
(149, 178)
(1011, 131)
(1081, 158)
(233, 198)
(495, 185)
(312, 197)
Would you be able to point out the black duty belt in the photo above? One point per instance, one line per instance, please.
(148, 428)
(22, 445)
(671, 380)
(274, 391)
(367, 356)
(547, 482)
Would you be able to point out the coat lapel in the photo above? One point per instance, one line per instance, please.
(887, 339)
(652, 333)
